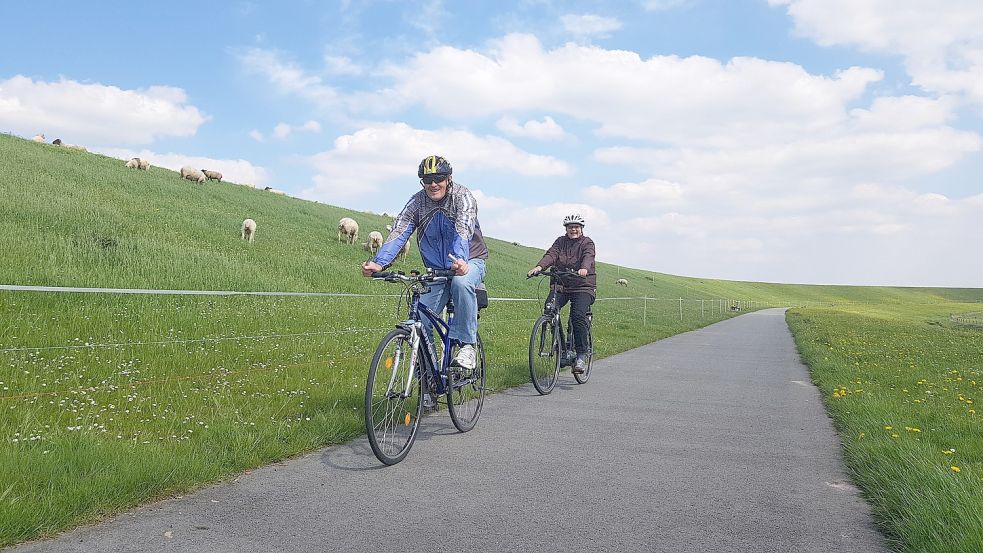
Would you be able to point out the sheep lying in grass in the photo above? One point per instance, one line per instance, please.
(406, 247)
(192, 174)
(248, 230)
(212, 175)
(622, 281)
(375, 241)
(58, 142)
(275, 191)
(137, 163)
(348, 227)
(39, 137)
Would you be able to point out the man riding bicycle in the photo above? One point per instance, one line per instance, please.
(445, 216)
(573, 251)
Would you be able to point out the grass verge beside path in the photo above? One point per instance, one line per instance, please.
(904, 386)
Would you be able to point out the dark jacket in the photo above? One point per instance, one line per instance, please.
(573, 254)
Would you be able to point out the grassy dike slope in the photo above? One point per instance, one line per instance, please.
(109, 400)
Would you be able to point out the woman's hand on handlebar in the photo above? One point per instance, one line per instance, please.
(370, 267)
(534, 271)
(582, 273)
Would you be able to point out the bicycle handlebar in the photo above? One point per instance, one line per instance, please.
(432, 275)
(552, 271)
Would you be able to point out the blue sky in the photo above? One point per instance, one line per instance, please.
(814, 141)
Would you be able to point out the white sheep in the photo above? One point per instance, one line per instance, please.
(39, 137)
(192, 174)
(349, 228)
(134, 163)
(375, 241)
(248, 230)
(212, 175)
(144, 164)
(275, 191)
(622, 281)
(406, 247)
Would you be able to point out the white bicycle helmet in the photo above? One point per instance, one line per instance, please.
(574, 219)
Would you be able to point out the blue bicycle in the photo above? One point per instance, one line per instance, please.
(406, 369)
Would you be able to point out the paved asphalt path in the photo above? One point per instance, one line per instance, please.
(713, 440)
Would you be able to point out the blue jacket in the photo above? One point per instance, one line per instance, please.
(449, 226)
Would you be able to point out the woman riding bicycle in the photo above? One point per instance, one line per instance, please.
(575, 252)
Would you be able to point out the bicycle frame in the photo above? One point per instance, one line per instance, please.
(436, 374)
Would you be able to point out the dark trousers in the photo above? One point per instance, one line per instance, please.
(580, 303)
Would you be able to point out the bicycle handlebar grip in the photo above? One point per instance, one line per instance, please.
(442, 273)
(381, 274)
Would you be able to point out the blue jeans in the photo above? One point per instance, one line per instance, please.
(464, 327)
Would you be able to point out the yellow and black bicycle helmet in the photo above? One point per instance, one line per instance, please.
(435, 165)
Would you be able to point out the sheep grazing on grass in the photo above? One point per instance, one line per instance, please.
(56, 142)
(134, 163)
(348, 227)
(275, 191)
(622, 281)
(192, 174)
(248, 230)
(406, 247)
(375, 241)
(144, 164)
(39, 137)
(212, 175)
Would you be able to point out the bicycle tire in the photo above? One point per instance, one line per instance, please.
(544, 364)
(582, 377)
(391, 418)
(466, 391)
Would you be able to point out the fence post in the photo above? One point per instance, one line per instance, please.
(645, 306)
(702, 313)
(680, 309)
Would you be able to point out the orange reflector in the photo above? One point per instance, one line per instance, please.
(389, 362)
(406, 420)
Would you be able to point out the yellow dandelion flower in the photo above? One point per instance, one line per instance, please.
(948, 451)
(862, 434)
(895, 436)
(972, 411)
(955, 468)
(888, 427)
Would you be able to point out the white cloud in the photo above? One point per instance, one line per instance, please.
(649, 192)
(360, 161)
(342, 65)
(288, 77)
(282, 131)
(589, 24)
(941, 42)
(665, 5)
(93, 114)
(256, 135)
(238, 171)
(547, 129)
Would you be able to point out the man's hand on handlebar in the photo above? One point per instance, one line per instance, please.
(370, 267)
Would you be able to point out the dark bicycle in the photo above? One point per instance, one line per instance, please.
(550, 346)
(406, 369)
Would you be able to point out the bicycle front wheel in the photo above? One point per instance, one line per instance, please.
(466, 391)
(544, 355)
(393, 398)
(582, 377)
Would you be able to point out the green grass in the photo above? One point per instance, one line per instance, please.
(904, 386)
(132, 397)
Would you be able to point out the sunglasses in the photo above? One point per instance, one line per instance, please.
(430, 179)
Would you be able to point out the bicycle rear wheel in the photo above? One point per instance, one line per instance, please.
(582, 377)
(544, 355)
(466, 391)
(392, 416)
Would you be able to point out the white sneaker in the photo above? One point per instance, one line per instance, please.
(466, 357)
